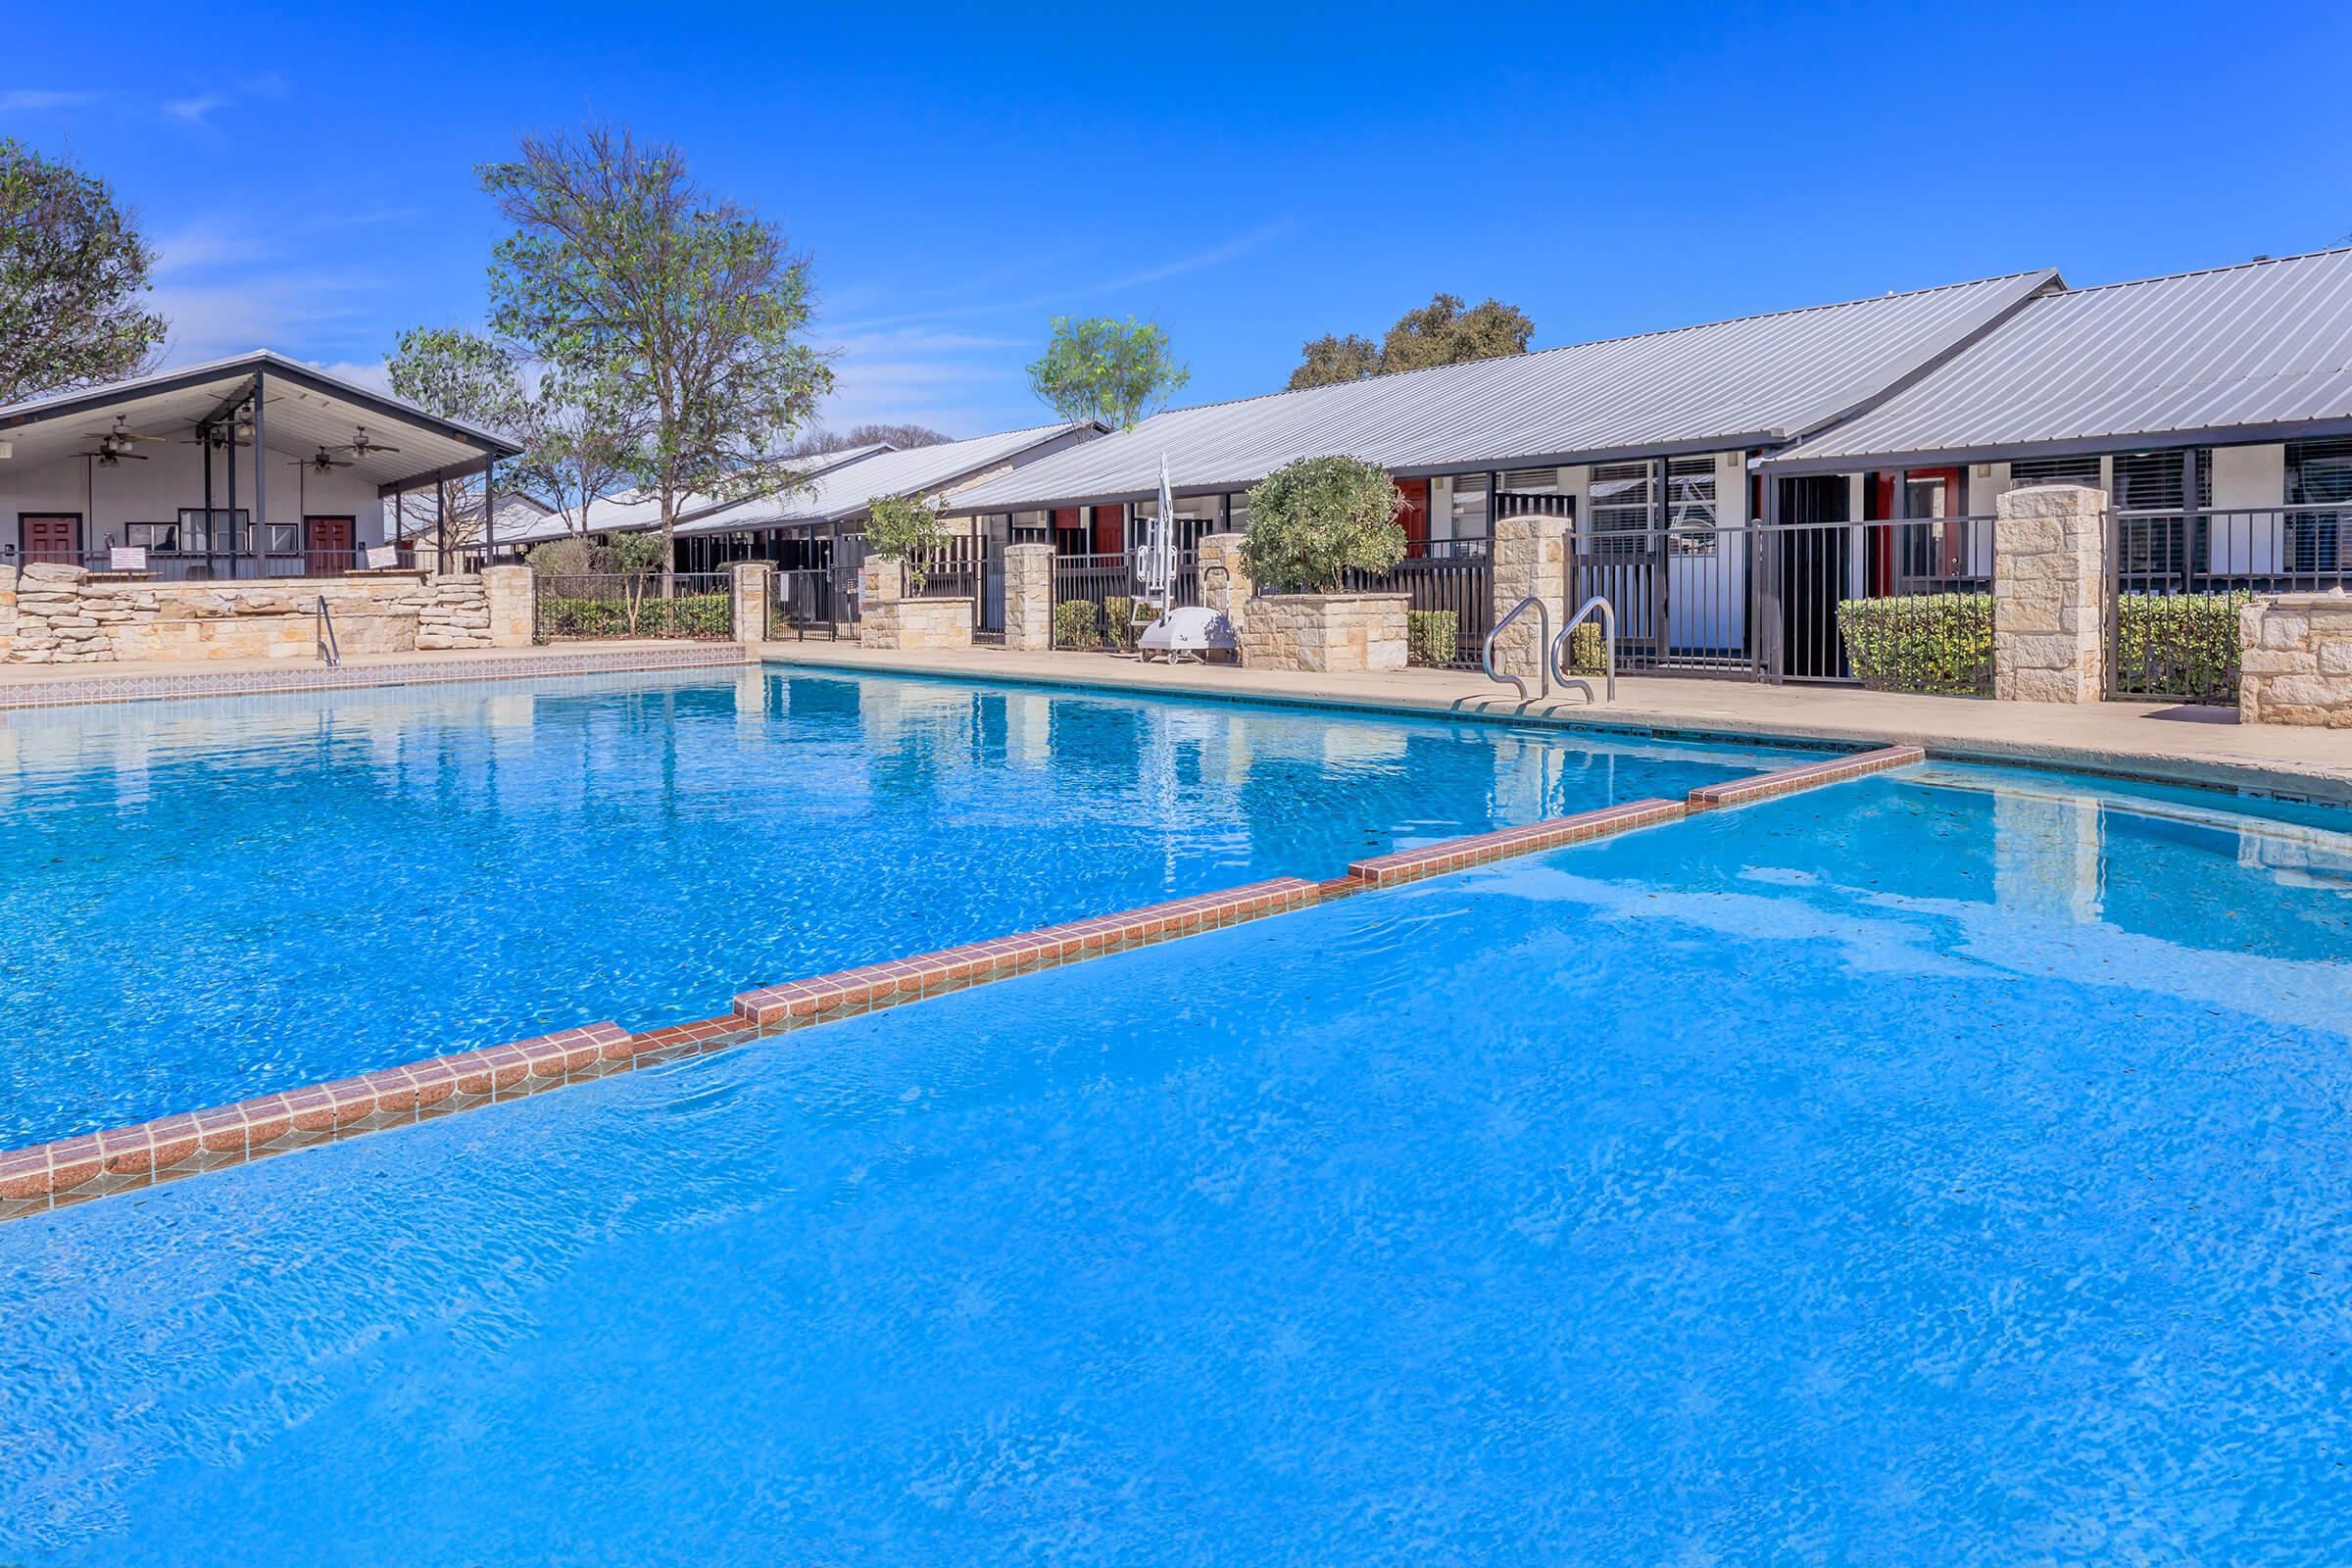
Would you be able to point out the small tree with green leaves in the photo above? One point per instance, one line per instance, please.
(1114, 371)
(72, 269)
(682, 305)
(906, 528)
(1314, 518)
(636, 557)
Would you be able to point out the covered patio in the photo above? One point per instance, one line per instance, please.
(254, 467)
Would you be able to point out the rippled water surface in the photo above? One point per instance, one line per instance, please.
(1949, 1168)
(206, 899)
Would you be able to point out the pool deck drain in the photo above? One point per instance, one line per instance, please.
(92, 1165)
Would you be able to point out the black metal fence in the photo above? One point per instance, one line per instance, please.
(970, 566)
(1095, 598)
(693, 606)
(805, 603)
(1904, 604)
(1449, 586)
(2182, 578)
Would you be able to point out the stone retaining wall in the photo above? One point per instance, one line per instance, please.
(1324, 632)
(2295, 661)
(60, 614)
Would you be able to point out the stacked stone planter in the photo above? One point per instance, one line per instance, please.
(2295, 661)
(888, 619)
(1324, 634)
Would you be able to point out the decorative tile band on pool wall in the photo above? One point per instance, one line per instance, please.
(1805, 776)
(76, 691)
(74, 1170)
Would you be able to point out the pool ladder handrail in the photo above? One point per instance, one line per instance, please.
(1486, 654)
(329, 650)
(1608, 639)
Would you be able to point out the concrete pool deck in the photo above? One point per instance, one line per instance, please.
(2199, 746)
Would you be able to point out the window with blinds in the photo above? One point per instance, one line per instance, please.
(1531, 481)
(2159, 546)
(2054, 471)
(2319, 474)
(1619, 503)
(1691, 515)
(1469, 506)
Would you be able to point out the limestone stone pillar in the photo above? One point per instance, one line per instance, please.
(881, 577)
(2049, 595)
(2295, 661)
(1028, 598)
(748, 583)
(512, 592)
(1530, 559)
(1225, 584)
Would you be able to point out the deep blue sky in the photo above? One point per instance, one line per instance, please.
(1251, 175)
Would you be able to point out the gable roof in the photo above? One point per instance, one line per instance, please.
(843, 490)
(1759, 380)
(2258, 351)
(305, 407)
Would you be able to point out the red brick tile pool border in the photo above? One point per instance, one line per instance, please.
(92, 1165)
(1809, 775)
(1455, 854)
(71, 1170)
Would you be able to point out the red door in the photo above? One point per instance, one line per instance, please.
(1414, 519)
(52, 537)
(1110, 530)
(327, 546)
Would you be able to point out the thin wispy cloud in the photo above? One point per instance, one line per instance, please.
(198, 108)
(195, 110)
(29, 100)
(1216, 255)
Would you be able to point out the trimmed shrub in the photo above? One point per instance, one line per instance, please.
(2178, 645)
(689, 615)
(1314, 519)
(1074, 624)
(1938, 643)
(1588, 650)
(1430, 637)
(1119, 613)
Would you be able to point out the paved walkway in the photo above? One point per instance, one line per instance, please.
(2186, 745)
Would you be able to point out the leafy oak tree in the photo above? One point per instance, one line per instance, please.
(1099, 369)
(689, 309)
(1440, 333)
(1331, 360)
(72, 268)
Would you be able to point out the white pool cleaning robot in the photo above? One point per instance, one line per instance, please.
(1175, 632)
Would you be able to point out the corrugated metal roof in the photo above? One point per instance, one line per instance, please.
(1758, 380)
(2245, 349)
(843, 491)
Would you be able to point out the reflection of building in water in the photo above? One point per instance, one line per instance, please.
(2047, 855)
(1028, 727)
(2299, 856)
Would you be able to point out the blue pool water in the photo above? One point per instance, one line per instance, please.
(205, 900)
(1950, 1167)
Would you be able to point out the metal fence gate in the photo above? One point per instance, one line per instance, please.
(2179, 578)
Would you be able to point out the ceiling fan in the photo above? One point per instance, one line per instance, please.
(109, 454)
(122, 434)
(360, 447)
(217, 438)
(324, 462)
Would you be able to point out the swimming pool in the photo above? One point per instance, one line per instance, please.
(208, 900)
(1947, 1166)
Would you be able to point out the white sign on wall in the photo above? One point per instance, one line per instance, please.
(382, 558)
(127, 557)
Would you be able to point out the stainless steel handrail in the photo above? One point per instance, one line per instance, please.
(1608, 631)
(1486, 654)
(328, 649)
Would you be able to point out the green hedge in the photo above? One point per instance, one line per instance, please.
(1940, 643)
(1430, 637)
(692, 615)
(2178, 645)
(1588, 650)
(1120, 614)
(1074, 624)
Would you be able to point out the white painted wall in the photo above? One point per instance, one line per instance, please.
(171, 479)
(2246, 478)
